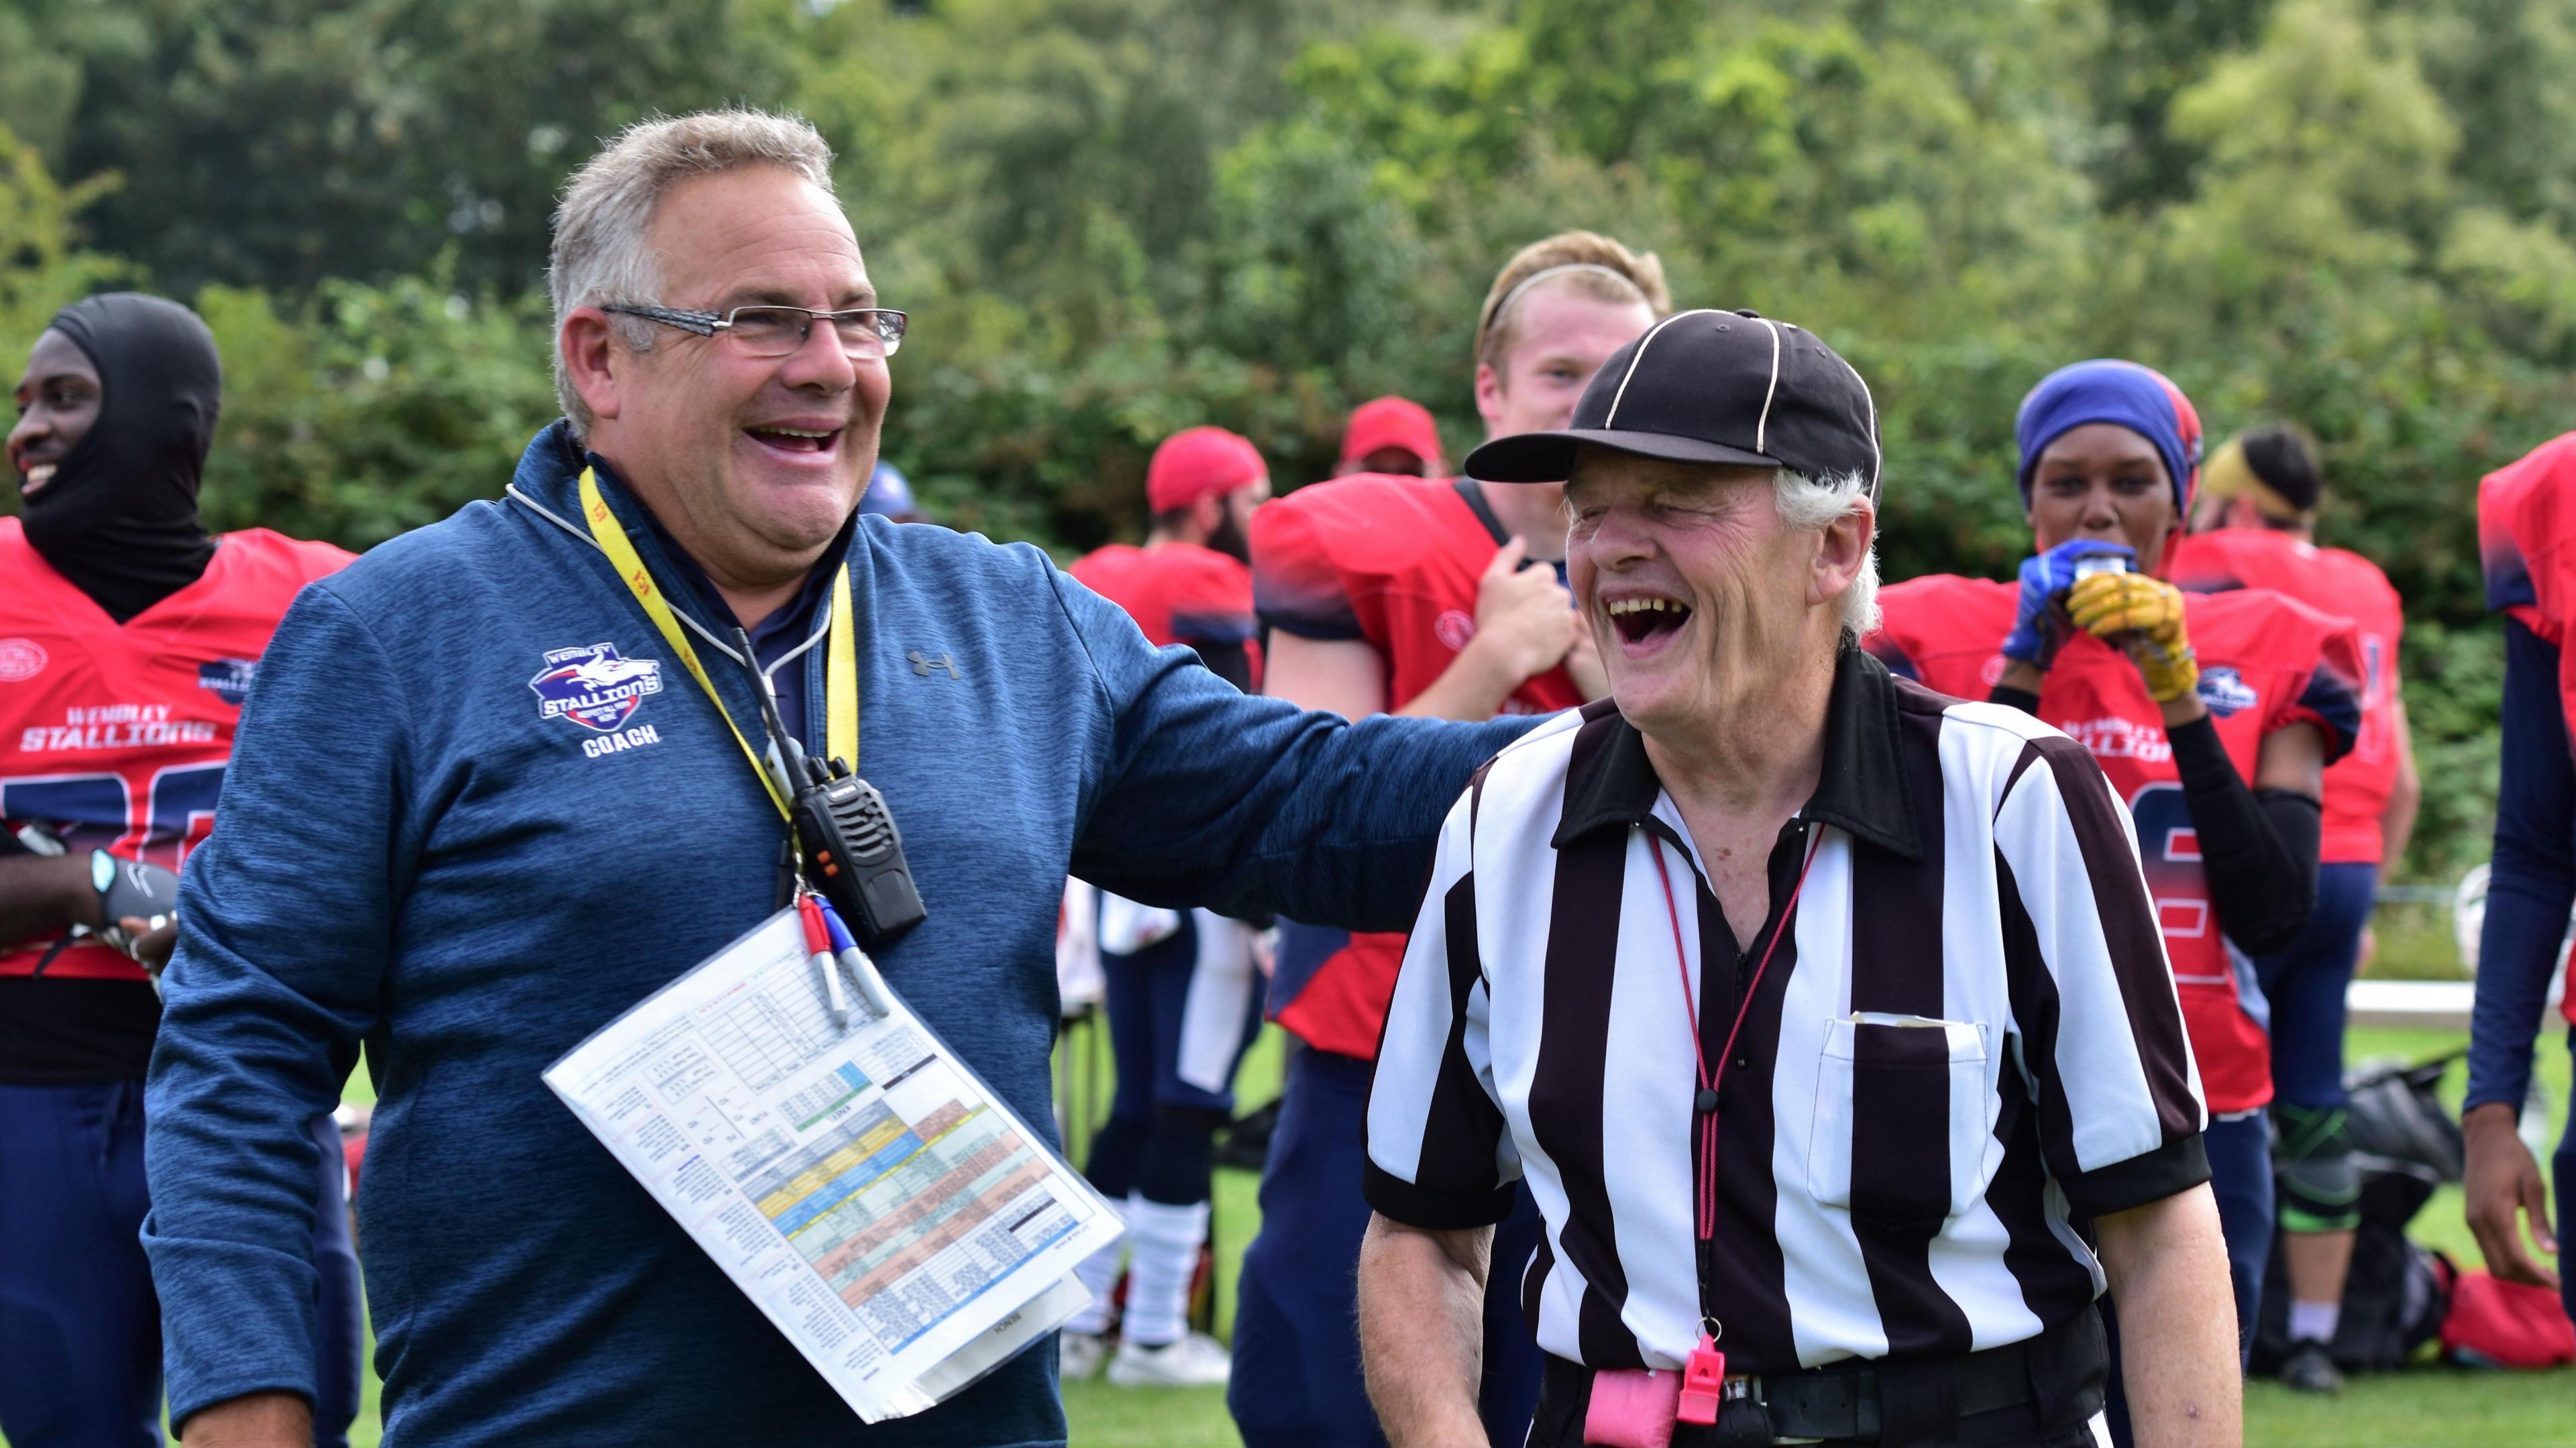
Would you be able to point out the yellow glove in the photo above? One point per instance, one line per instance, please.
(2142, 614)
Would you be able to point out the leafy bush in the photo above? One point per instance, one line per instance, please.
(1114, 218)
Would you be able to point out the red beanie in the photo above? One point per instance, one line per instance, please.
(1199, 463)
(1394, 422)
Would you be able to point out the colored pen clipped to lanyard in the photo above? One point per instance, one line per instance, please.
(1704, 1372)
(829, 944)
(840, 669)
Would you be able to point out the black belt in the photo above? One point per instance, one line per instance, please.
(2061, 1371)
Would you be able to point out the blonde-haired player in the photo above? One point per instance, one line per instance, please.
(1427, 596)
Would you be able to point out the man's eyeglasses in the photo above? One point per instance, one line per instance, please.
(866, 333)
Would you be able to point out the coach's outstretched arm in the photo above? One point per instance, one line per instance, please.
(288, 911)
(1251, 806)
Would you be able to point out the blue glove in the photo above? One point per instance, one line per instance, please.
(2044, 580)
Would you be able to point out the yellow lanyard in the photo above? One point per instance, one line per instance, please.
(841, 663)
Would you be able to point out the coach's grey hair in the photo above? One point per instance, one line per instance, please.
(603, 251)
(1812, 504)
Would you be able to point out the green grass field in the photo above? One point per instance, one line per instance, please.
(2425, 1406)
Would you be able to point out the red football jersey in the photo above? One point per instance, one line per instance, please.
(2346, 585)
(1393, 562)
(2526, 515)
(2525, 518)
(1178, 593)
(116, 736)
(2266, 662)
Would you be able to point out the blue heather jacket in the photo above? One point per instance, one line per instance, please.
(414, 857)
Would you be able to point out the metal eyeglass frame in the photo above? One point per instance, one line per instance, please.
(890, 324)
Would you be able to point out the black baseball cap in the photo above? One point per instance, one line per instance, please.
(1710, 387)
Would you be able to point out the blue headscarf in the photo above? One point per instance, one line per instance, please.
(2140, 399)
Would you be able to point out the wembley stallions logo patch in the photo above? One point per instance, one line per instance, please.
(593, 687)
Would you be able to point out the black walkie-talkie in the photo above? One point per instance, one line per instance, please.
(849, 847)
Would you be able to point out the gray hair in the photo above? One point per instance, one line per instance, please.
(1811, 505)
(603, 251)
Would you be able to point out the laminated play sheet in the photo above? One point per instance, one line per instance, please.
(897, 1222)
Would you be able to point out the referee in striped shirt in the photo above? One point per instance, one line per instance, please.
(1825, 1016)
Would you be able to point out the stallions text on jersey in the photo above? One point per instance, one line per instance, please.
(2266, 662)
(2346, 585)
(115, 737)
(1393, 562)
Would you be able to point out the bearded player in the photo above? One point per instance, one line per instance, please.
(2213, 714)
(1439, 597)
(2527, 541)
(2254, 526)
(1179, 986)
(128, 638)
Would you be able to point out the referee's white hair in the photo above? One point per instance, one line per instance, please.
(1811, 504)
(603, 250)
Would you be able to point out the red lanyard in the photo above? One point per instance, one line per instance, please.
(1705, 1214)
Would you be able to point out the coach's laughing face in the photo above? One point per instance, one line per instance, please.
(1702, 597)
(752, 462)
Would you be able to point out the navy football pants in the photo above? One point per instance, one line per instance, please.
(1296, 1331)
(2562, 1170)
(2306, 985)
(1177, 1032)
(80, 1328)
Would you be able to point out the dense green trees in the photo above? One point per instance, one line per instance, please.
(1113, 218)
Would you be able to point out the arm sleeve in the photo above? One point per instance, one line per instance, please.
(1223, 631)
(1213, 614)
(1438, 1154)
(2329, 696)
(288, 908)
(1297, 587)
(2102, 1041)
(2258, 855)
(2534, 876)
(1248, 806)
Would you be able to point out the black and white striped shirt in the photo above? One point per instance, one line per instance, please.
(1966, 1046)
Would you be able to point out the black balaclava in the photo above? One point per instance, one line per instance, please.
(119, 518)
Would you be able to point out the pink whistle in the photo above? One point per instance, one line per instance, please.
(1703, 1382)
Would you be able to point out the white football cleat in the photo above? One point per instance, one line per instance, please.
(1196, 1360)
(1080, 1354)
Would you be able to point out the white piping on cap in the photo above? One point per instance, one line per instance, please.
(1872, 404)
(1762, 424)
(1640, 356)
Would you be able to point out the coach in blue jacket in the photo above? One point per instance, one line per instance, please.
(479, 808)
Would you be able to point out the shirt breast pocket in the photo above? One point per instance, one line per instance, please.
(1905, 1122)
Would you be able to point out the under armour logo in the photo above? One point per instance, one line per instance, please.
(922, 664)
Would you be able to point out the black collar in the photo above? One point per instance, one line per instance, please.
(1863, 789)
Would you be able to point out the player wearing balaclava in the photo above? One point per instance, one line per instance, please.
(118, 517)
(128, 641)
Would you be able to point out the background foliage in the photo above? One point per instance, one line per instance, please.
(1114, 218)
